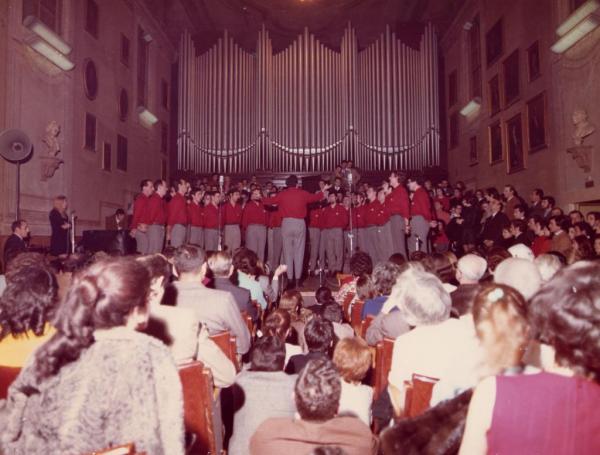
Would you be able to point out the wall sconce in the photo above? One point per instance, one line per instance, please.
(146, 117)
(579, 24)
(48, 43)
(471, 107)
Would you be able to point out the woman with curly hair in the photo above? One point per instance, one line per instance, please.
(26, 308)
(97, 382)
(554, 411)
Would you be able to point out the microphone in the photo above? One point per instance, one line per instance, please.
(349, 177)
(221, 182)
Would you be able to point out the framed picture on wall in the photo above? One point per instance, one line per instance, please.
(495, 142)
(533, 61)
(494, 95)
(514, 145)
(473, 150)
(536, 123)
(493, 43)
(511, 78)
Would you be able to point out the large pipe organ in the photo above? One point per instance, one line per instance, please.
(308, 107)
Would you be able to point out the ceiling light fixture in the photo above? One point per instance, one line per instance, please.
(581, 23)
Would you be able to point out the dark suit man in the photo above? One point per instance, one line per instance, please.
(492, 229)
(117, 222)
(220, 264)
(15, 244)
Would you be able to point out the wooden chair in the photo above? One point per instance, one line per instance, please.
(383, 364)
(346, 305)
(7, 376)
(355, 315)
(249, 323)
(227, 343)
(343, 278)
(364, 326)
(125, 449)
(201, 409)
(418, 393)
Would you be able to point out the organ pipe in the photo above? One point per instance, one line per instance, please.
(306, 108)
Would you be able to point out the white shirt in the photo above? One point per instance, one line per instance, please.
(356, 399)
(449, 351)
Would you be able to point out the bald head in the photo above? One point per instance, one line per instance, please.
(470, 269)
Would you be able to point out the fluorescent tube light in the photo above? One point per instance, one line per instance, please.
(43, 48)
(471, 107)
(582, 29)
(578, 15)
(44, 32)
(146, 116)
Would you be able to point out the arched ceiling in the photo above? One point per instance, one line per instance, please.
(286, 19)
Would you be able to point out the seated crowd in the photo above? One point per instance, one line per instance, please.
(504, 335)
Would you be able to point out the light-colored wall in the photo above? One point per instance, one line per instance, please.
(38, 92)
(569, 81)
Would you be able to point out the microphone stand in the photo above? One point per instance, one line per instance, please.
(351, 232)
(220, 245)
(72, 232)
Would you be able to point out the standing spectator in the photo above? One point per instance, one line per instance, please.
(512, 200)
(60, 226)
(15, 243)
(491, 234)
(536, 203)
(559, 228)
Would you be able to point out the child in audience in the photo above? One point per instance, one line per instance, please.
(352, 358)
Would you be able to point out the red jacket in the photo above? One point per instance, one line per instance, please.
(421, 205)
(360, 212)
(158, 209)
(292, 202)
(398, 202)
(232, 214)
(211, 217)
(195, 214)
(254, 213)
(335, 217)
(177, 211)
(275, 219)
(141, 212)
(315, 219)
(376, 214)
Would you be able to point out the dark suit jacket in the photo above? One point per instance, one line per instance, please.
(12, 247)
(111, 224)
(492, 229)
(240, 295)
(299, 361)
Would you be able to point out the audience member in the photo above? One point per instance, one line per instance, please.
(220, 264)
(216, 309)
(245, 262)
(334, 313)
(548, 265)
(26, 310)
(317, 396)
(520, 274)
(278, 324)
(318, 334)
(469, 271)
(57, 404)
(261, 392)
(360, 265)
(557, 408)
(352, 358)
(384, 278)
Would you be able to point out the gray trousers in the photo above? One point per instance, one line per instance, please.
(398, 225)
(293, 232)
(323, 250)
(232, 237)
(384, 241)
(178, 234)
(314, 238)
(335, 249)
(371, 236)
(156, 238)
(197, 236)
(419, 226)
(361, 238)
(143, 243)
(211, 239)
(256, 238)
(275, 247)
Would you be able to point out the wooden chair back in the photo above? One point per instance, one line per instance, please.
(227, 343)
(7, 376)
(249, 323)
(364, 325)
(383, 364)
(418, 395)
(201, 409)
(355, 315)
(125, 449)
(346, 305)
